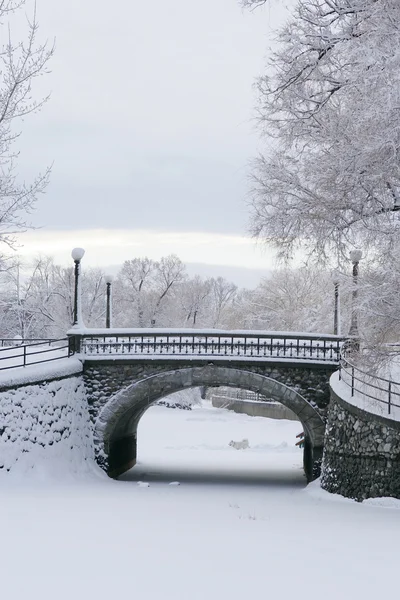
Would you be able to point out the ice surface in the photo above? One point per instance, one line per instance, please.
(240, 525)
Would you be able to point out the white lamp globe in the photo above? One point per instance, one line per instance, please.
(108, 278)
(355, 256)
(77, 254)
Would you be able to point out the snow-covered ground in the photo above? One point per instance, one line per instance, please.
(31, 354)
(370, 393)
(241, 524)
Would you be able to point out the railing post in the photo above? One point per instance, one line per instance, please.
(352, 381)
(389, 396)
(24, 356)
(74, 344)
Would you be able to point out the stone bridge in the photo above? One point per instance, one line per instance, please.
(125, 372)
(102, 381)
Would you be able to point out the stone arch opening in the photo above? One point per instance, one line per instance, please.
(116, 425)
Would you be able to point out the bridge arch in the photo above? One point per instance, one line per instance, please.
(116, 425)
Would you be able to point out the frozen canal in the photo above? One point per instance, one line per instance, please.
(241, 524)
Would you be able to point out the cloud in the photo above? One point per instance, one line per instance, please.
(113, 246)
(149, 123)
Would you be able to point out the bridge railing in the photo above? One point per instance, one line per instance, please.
(18, 341)
(205, 344)
(228, 394)
(15, 353)
(379, 390)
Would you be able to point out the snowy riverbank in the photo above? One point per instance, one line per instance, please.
(242, 523)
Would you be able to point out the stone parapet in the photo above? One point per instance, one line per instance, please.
(361, 453)
(47, 422)
(103, 379)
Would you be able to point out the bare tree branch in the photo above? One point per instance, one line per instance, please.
(21, 63)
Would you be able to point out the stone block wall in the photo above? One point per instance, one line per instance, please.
(104, 379)
(361, 453)
(45, 423)
(255, 408)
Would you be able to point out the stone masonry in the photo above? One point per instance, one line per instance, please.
(45, 420)
(361, 454)
(119, 392)
(103, 379)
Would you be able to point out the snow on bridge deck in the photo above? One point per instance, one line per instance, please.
(172, 344)
(199, 344)
(35, 360)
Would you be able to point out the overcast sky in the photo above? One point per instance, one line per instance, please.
(150, 128)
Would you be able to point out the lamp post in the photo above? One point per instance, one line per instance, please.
(336, 315)
(77, 255)
(108, 279)
(355, 257)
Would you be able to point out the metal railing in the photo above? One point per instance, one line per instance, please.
(34, 352)
(205, 344)
(237, 345)
(379, 389)
(17, 341)
(229, 393)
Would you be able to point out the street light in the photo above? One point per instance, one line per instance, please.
(77, 255)
(355, 257)
(336, 315)
(108, 279)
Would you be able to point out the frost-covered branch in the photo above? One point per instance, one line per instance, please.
(328, 105)
(21, 63)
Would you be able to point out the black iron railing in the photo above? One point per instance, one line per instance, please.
(17, 341)
(378, 389)
(205, 344)
(197, 344)
(240, 394)
(32, 352)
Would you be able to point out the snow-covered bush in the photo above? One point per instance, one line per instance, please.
(184, 400)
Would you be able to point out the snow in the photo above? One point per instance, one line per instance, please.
(18, 356)
(206, 357)
(240, 524)
(172, 343)
(162, 331)
(46, 424)
(376, 406)
(61, 367)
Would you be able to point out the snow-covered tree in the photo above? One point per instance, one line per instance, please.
(193, 296)
(223, 294)
(253, 3)
(170, 272)
(293, 300)
(143, 289)
(328, 104)
(133, 283)
(380, 307)
(38, 299)
(22, 61)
